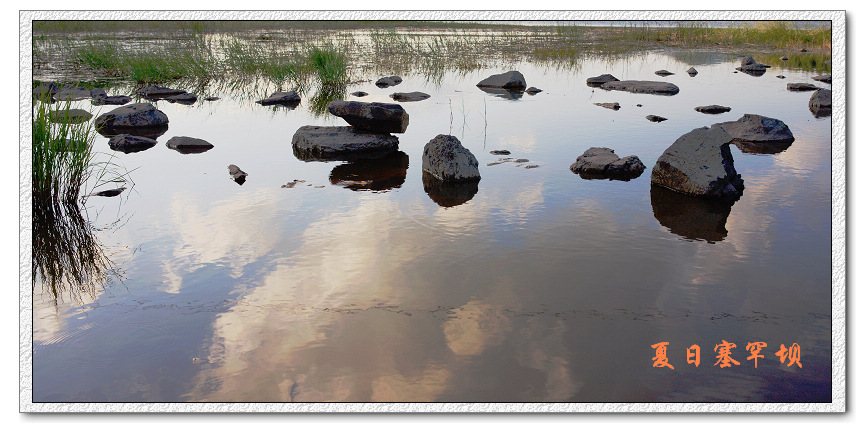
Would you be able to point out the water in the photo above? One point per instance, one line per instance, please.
(539, 286)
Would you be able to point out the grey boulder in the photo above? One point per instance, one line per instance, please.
(700, 163)
(188, 145)
(824, 78)
(821, 103)
(141, 114)
(385, 82)
(340, 143)
(237, 174)
(801, 87)
(756, 128)
(663, 73)
(602, 162)
(371, 116)
(445, 158)
(533, 90)
(649, 87)
(72, 115)
(72, 93)
(600, 79)
(99, 97)
(157, 92)
(284, 98)
(409, 96)
(184, 98)
(656, 119)
(127, 143)
(691, 71)
(507, 80)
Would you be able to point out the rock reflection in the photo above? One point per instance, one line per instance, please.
(503, 93)
(690, 217)
(762, 147)
(449, 194)
(153, 132)
(379, 174)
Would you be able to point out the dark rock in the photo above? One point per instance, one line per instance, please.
(446, 159)
(610, 105)
(602, 162)
(654, 118)
(762, 147)
(803, 50)
(373, 117)
(45, 91)
(600, 80)
(72, 93)
(750, 67)
(98, 93)
(72, 115)
(152, 132)
(130, 143)
(784, 58)
(824, 78)
(110, 192)
(650, 87)
(500, 152)
(289, 98)
(692, 71)
(211, 98)
(142, 114)
(533, 90)
(409, 97)
(157, 92)
(756, 128)
(187, 145)
(340, 143)
(379, 174)
(386, 82)
(237, 174)
(801, 87)
(712, 109)
(821, 103)
(507, 80)
(700, 163)
(359, 94)
(639, 105)
(781, 76)
(111, 100)
(691, 217)
(663, 73)
(182, 98)
(293, 183)
(449, 194)
(519, 160)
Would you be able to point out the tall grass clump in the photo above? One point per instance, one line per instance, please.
(328, 65)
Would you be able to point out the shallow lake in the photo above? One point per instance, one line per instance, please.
(359, 285)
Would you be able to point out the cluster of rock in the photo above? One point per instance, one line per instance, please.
(602, 162)
(508, 85)
(751, 67)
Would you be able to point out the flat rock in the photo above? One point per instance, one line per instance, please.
(157, 92)
(649, 87)
(700, 163)
(72, 115)
(533, 90)
(281, 98)
(824, 78)
(600, 79)
(340, 143)
(409, 96)
(500, 152)
(111, 100)
(371, 116)
(821, 103)
(654, 118)
(130, 143)
(188, 144)
(211, 98)
(445, 158)
(141, 114)
(781, 76)
(801, 87)
(110, 192)
(507, 80)
(359, 93)
(610, 105)
(756, 128)
(385, 82)
(602, 162)
(663, 73)
(184, 98)
(72, 93)
(712, 109)
(784, 58)
(237, 174)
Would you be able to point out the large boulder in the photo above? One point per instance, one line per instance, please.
(649, 87)
(371, 116)
(756, 128)
(602, 162)
(801, 87)
(821, 102)
(130, 143)
(445, 158)
(142, 114)
(700, 163)
(600, 80)
(507, 80)
(409, 96)
(282, 98)
(188, 144)
(340, 143)
(385, 82)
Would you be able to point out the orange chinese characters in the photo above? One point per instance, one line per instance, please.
(661, 355)
(694, 355)
(794, 353)
(724, 354)
(755, 349)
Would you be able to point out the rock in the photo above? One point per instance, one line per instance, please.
(449, 194)
(756, 128)
(45, 91)
(373, 117)
(386, 82)
(749, 66)
(803, 50)
(507, 80)
(654, 118)
(110, 192)
(639, 105)
(784, 58)
(600, 79)
(289, 98)
(340, 143)
(692, 71)
(409, 97)
(142, 114)
(610, 105)
(72, 115)
(801, 87)
(650, 87)
(519, 160)
(821, 103)
(445, 158)
(130, 143)
(157, 92)
(293, 183)
(187, 145)
(602, 162)
(379, 174)
(824, 78)
(688, 216)
(500, 152)
(98, 93)
(211, 98)
(182, 98)
(111, 100)
(72, 93)
(509, 94)
(712, 109)
(359, 94)
(533, 90)
(781, 76)
(237, 174)
(700, 163)
(663, 73)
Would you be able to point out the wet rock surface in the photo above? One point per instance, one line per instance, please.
(655, 118)
(500, 152)
(188, 145)
(359, 94)
(141, 114)
(756, 128)
(130, 143)
(533, 90)
(648, 87)
(824, 78)
(340, 143)
(751, 67)
(371, 116)
(185, 98)
(385, 82)
(712, 109)
(445, 158)
(820, 103)
(72, 115)
(600, 80)
(610, 105)
(663, 73)
(281, 98)
(237, 174)
(409, 96)
(72, 93)
(158, 92)
(700, 163)
(603, 163)
(691, 71)
(801, 87)
(507, 80)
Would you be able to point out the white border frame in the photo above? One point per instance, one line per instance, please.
(839, 232)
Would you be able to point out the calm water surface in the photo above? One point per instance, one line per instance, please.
(539, 286)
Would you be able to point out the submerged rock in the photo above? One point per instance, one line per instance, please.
(821, 103)
(386, 82)
(600, 79)
(758, 129)
(663, 73)
(371, 116)
(445, 158)
(409, 96)
(801, 87)
(142, 114)
(45, 91)
(692, 71)
(340, 143)
(188, 145)
(649, 87)
(602, 162)
(185, 98)
(290, 98)
(130, 143)
(654, 118)
(712, 109)
(824, 78)
(700, 163)
(237, 174)
(72, 115)
(507, 80)
(610, 105)
(533, 90)
(781, 76)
